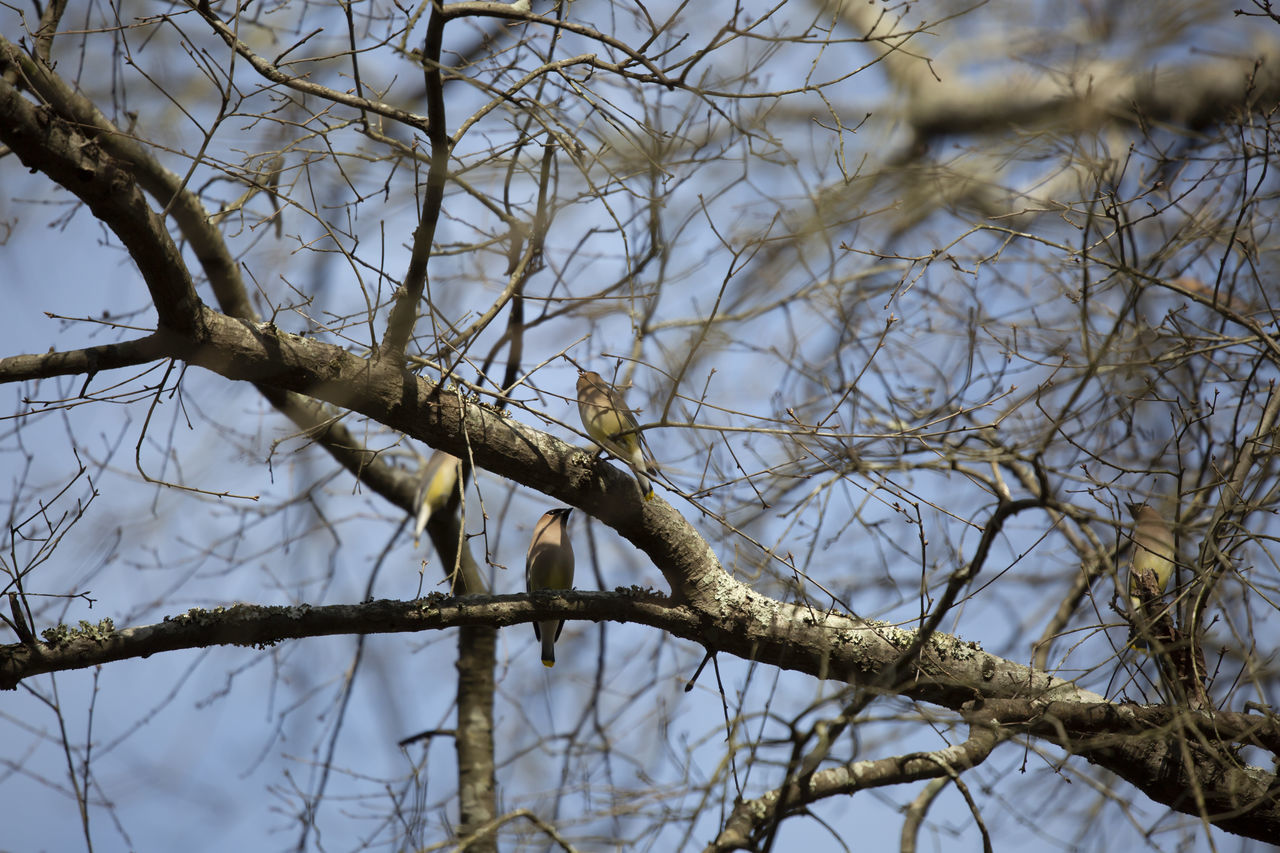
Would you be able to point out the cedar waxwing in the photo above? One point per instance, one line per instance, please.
(1153, 552)
(439, 483)
(549, 565)
(612, 426)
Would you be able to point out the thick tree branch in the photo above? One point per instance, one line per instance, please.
(477, 793)
(1192, 95)
(87, 361)
(1179, 751)
(1141, 743)
(751, 816)
(63, 649)
(45, 142)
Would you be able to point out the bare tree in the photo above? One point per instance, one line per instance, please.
(914, 302)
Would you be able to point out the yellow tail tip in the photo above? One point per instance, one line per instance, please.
(548, 663)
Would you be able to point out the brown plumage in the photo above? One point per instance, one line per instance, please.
(1153, 555)
(611, 425)
(549, 565)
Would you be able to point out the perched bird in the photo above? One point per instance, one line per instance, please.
(440, 478)
(1153, 554)
(612, 426)
(549, 565)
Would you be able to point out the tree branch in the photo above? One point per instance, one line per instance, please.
(300, 84)
(87, 361)
(751, 816)
(44, 142)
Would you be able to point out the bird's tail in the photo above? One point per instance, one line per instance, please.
(548, 636)
(646, 487)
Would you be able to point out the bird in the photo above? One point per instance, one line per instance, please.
(612, 426)
(1153, 554)
(549, 565)
(440, 477)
